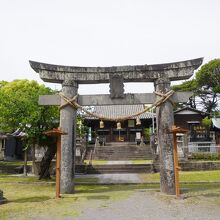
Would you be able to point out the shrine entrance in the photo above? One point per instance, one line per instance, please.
(163, 99)
(130, 129)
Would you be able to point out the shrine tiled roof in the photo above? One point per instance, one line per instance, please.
(188, 110)
(112, 111)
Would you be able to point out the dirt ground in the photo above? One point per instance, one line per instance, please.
(125, 198)
(145, 204)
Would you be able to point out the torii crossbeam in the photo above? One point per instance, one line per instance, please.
(160, 74)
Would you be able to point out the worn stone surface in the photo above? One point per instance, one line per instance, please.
(116, 86)
(165, 121)
(68, 125)
(138, 73)
(129, 99)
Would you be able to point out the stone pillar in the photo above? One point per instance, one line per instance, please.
(68, 125)
(165, 120)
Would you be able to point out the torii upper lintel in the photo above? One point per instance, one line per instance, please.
(137, 73)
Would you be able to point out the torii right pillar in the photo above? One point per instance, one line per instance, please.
(165, 121)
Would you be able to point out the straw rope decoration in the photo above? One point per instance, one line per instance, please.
(73, 103)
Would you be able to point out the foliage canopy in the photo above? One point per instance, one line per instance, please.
(20, 110)
(205, 86)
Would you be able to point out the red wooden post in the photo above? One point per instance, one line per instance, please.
(176, 130)
(57, 132)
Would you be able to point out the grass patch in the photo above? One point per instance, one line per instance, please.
(202, 193)
(196, 176)
(8, 178)
(85, 180)
(142, 161)
(200, 160)
(27, 201)
(14, 163)
(4, 175)
(186, 176)
(114, 188)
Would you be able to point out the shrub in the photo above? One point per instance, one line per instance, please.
(205, 156)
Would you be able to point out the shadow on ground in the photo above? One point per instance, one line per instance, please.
(210, 190)
(114, 188)
(31, 199)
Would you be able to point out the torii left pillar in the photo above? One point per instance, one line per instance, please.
(68, 125)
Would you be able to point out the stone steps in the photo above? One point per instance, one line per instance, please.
(114, 168)
(121, 151)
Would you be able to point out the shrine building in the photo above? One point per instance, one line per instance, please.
(129, 131)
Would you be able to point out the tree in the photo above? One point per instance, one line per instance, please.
(207, 121)
(190, 86)
(208, 83)
(205, 86)
(208, 76)
(20, 110)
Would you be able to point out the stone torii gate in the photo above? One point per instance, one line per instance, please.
(160, 74)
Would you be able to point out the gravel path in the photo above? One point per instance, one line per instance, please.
(115, 178)
(147, 205)
(119, 178)
(119, 162)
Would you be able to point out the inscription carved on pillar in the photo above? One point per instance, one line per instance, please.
(116, 86)
(70, 83)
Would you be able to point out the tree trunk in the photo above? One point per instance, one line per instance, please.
(25, 162)
(44, 172)
(33, 158)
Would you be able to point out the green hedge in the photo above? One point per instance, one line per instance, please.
(205, 156)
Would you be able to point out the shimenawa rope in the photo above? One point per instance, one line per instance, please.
(72, 102)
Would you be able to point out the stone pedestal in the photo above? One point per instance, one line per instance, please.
(68, 125)
(165, 121)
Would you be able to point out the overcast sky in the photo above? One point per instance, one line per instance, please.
(105, 33)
